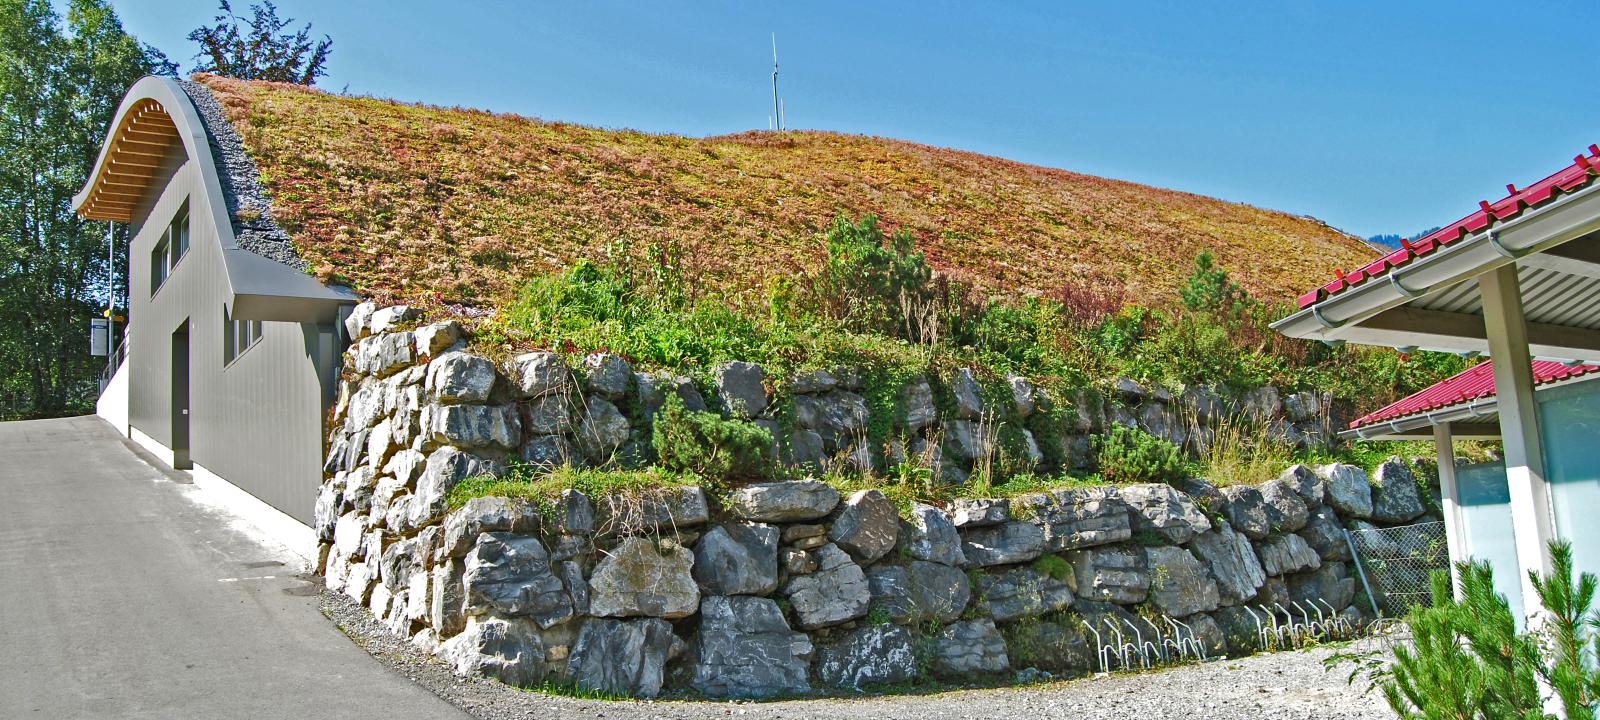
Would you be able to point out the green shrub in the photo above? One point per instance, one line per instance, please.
(1131, 455)
(1053, 566)
(710, 445)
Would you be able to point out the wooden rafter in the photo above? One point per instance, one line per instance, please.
(136, 154)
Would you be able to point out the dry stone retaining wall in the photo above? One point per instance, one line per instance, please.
(781, 587)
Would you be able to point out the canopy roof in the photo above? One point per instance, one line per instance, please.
(1467, 398)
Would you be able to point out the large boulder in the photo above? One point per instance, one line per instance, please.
(867, 526)
(537, 374)
(917, 410)
(603, 430)
(1012, 542)
(968, 512)
(1232, 562)
(1111, 573)
(487, 514)
(431, 340)
(1325, 535)
(971, 646)
(445, 468)
(1286, 512)
(1330, 584)
(1394, 493)
(547, 415)
(458, 377)
(509, 650)
(639, 580)
(839, 418)
(472, 426)
(607, 375)
(930, 535)
(1162, 509)
(966, 393)
(1306, 483)
(793, 501)
(1246, 510)
(1180, 586)
(1285, 554)
(742, 387)
(1023, 396)
(663, 508)
(621, 657)
(920, 591)
(509, 575)
(1021, 592)
(870, 655)
(1079, 517)
(836, 592)
(1348, 490)
(745, 649)
(737, 559)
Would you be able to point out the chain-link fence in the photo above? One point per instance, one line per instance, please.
(1396, 564)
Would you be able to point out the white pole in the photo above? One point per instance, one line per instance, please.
(1450, 501)
(111, 294)
(1532, 521)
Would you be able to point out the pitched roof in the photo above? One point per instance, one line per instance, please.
(1583, 170)
(1474, 383)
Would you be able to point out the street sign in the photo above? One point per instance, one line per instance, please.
(99, 337)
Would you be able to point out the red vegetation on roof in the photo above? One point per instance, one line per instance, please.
(1580, 173)
(1474, 383)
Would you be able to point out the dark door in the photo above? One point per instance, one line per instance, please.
(180, 397)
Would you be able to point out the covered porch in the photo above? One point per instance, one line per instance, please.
(1519, 281)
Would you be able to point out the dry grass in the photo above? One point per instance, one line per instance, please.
(417, 202)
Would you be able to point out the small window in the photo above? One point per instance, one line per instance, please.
(238, 336)
(171, 248)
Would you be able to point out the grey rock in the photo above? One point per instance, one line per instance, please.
(930, 535)
(867, 526)
(1311, 488)
(1286, 512)
(549, 451)
(670, 507)
(967, 394)
(1301, 406)
(448, 608)
(737, 559)
(1206, 403)
(1129, 391)
(840, 419)
(1261, 404)
(487, 514)
(1286, 554)
(473, 426)
(870, 655)
(1394, 493)
(972, 646)
(1111, 573)
(1162, 509)
(814, 382)
(745, 649)
(604, 429)
(1122, 415)
(1239, 630)
(365, 407)
(805, 449)
(509, 650)
(1021, 592)
(1087, 411)
(917, 410)
(387, 354)
(741, 386)
(510, 576)
(1012, 542)
(446, 467)
(1232, 562)
(458, 377)
(964, 441)
(638, 580)
(434, 339)
(968, 512)
(1325, 535)
(621, 657)
(359, 323)
(1079, 450)
(1060, 648)
(1180, 585)
(1023, 400)
(1372, 540)
(1330, 584)
(1348, 490)
(1031, 454)
(797, 562)
(572, 513)
(571, 575)
(792, 501)
(1246, 510)
(607, 375)
(547, 415)
(384, 320)
(1079, 517)
(1161, 421)
(537, 374)
(920, 591)
(835, 593)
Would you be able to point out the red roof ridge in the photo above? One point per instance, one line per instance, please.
(1474, 383)
(1580, 173)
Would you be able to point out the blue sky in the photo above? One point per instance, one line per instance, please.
(1378, 117)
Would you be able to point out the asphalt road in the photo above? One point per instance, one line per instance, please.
(124, 595)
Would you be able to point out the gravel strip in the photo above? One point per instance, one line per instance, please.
(1288, 685)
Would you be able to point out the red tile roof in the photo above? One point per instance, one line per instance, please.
(1472, 384)
(1583, 170)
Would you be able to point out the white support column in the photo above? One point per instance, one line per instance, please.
(1531, 517)
(1450, 501)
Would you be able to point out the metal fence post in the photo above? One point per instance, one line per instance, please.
(1377, 610)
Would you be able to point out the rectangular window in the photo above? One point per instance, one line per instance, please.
(238, 336)
(171, 248)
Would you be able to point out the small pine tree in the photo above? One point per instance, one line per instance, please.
(1211, 290)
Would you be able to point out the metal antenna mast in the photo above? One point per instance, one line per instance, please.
(777, 106)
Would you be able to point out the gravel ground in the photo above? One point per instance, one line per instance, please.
(1290, 685)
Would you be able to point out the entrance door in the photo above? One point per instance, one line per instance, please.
(180, 397)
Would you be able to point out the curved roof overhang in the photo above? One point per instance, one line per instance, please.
(155, 117)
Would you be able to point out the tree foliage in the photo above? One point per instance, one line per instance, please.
(260, 47)
(59, 86)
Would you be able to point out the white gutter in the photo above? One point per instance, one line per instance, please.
(1535, 230)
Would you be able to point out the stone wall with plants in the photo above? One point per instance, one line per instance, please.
(717, 545)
